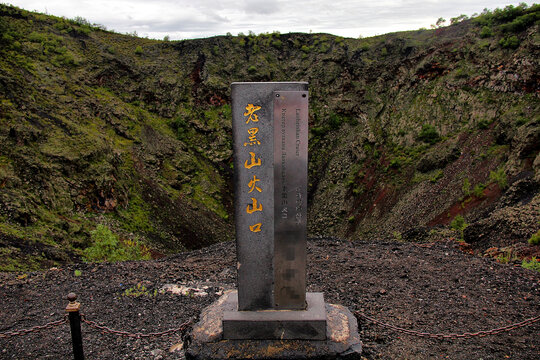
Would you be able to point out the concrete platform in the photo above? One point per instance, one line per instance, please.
(207, 342)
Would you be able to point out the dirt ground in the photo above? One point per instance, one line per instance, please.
(431, 287)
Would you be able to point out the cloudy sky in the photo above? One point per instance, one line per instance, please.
(186, 19)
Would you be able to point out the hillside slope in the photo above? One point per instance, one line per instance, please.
(407, 131)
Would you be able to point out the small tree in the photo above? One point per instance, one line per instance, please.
(440, 22)
(457, 19)
(459, 224)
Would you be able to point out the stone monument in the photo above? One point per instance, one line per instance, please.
(271, 308)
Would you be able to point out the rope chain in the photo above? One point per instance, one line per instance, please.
(49, 325)
(467, 335)
(183, 326)
(138, 335)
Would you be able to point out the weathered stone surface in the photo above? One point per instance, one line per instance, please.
(439, 157)
(343, 341)
(210, 328)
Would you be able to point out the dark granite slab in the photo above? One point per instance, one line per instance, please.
(253, 135)
(309, 324)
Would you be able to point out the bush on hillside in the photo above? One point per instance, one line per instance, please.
(429, 134)
(535, 239)
(107, 247)
(511, 42)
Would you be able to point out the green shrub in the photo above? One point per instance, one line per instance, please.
(335, 121)
(277, 44)
(511, 42)
(466, 187)
(479, 190)
(7, 39)
(429, 134)
(396, 163)
(65, 59)
(458, 19)
(484, 124)
(461, 74)
(499, 176)
(252, 69)
(139, 50)
(535, 239)
(459, 224)
(506, 257)
(508, 13)
(37, 37)
(324, 48)
(306, 49)
(63, 26)
(519, 23)
(534, 264)
(16, 46)
(319, 130)
(486, 32)
(107, 247)
(510, 19)
(436, 176)
(521, 120)
(83, 30)
(79, 20)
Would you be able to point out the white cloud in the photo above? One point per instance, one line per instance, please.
(261, 7)
(183, 19)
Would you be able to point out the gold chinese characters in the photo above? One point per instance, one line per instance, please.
(252, 164)
(250, 112)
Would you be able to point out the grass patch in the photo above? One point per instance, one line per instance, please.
(136, 217)
(139, 290)
(436, 176)
(107, 247)
(533, 264)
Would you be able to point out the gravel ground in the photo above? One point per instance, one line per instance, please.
(431, 287)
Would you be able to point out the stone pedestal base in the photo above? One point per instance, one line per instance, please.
(309, 324)
(207, 342)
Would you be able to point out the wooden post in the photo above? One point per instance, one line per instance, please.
(73, 309)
